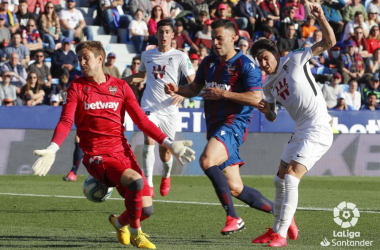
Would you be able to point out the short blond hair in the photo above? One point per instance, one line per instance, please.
(95, 47)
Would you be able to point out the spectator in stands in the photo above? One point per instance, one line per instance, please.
(200, 5)
(351, 64)
(350, 26)
(174, 44)
(17, 71)
(353, 96)
(31, 37)
(37, 6)
(8, 91)
(55, 99)
(374, 5)
(271, 9)
(268, 33)
(373, 40)
(213, 8)
(138, 32)
(182, 37)
(372, 87)
(133, 69)
(111, 17)
(163, 4)
(222, 14)
(331, 90)
(204, 36)
(270, 23)
(248, 9)
(5, 35)
(309, 27)
(341, 103)
(157, 15)
(109, 67)
(289, 42)
(64, 61)
(194, 58)
(23, 15)
(27, 100)
(332, 10)
(34, 89)
(143, 5)
(371, 103)
(201, 19)
(42, 70)
(73, 24)
(11, 20)
(350, 11)
(202, 52)
(361, 44)
(13, 6)
(49, 23)
(372, 65)
(299, 10)
(372, 18)
(289, 19)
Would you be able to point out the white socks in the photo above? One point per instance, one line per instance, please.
(134, 230)
(278, 199)
(289, 205)
(148, 163)
(167, 167)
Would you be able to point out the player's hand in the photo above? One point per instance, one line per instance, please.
(212, 93)
(264, 107)
(316, 11)
(46, 159)
(170, 88)
(180, 149)
(136, 80)
(176, 99)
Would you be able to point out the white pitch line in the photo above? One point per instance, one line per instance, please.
(178, 202)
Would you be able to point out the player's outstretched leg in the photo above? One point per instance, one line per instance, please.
(289, 206)
(77, 158)
(148, 165)
(165, 180)
(219, 181)
(255, 199)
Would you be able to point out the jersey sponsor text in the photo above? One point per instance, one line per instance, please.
(217, 85)
(101, 105)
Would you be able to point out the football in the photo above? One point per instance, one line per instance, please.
(95, 191)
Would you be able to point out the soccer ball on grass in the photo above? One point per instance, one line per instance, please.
(95, 191)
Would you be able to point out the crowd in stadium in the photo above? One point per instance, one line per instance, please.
(32, 30)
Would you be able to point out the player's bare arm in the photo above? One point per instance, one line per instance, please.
(135, 78)
(328, 36)
(189, 90)
(269, 109)
(177, 99)
(251, 98)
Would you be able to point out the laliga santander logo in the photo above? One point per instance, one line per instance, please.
(346, 214)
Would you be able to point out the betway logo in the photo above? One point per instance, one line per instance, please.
(101, 105)
(217, 85)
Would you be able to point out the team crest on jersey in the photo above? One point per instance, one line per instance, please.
(112, 89)
(159, 72)
(282, 89)
(231, 69)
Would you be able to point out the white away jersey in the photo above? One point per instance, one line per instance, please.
(295, 88)
(162, 68)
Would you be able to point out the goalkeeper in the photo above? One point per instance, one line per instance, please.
(98, 102)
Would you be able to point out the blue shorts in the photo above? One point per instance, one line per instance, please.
(231, 140)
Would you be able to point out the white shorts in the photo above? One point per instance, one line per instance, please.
(308, 146)
(167, 123)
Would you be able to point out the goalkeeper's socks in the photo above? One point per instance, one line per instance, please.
(167, 168)
(133, 203)
(77, 158)
(219, 181)
(134, 230)
(255, 199)
(148, 163)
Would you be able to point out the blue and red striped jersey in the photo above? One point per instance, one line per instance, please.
(239, 74)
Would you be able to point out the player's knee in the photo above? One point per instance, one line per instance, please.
(205, 162)
(147, 211)
(136, 185)
(235, 189)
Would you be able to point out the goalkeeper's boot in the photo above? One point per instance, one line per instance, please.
(233, 225)
(278, 241)
(123, 235)
(70, 176)
(265, 238)
(165, 186)
(140, 240)
(293, 230)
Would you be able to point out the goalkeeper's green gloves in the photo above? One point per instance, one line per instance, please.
(180, 149)
(46, 159)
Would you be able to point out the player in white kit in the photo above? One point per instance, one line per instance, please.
(290, 82)
(162, 65)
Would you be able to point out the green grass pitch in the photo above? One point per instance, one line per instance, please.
(185, 219)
